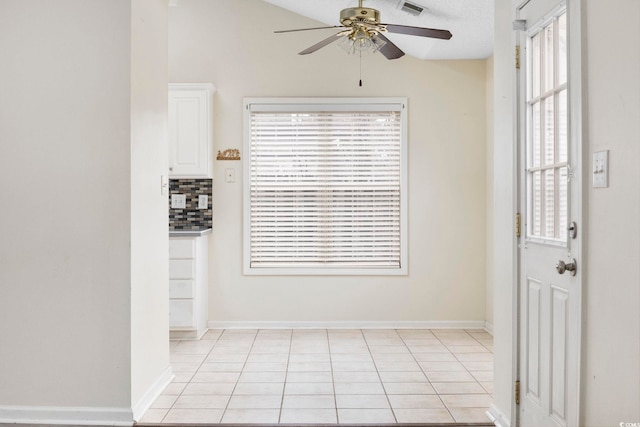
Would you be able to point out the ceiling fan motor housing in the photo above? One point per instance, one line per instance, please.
(359, 14)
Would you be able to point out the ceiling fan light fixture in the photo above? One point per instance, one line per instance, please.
(363, 33)
(377, 43)
(361, 42)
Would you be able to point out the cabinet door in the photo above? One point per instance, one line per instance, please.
(181, 289)
(189, 132)
(182, 269)
(182, 248)
(181, 313)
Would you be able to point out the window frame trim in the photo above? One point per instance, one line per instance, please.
(341, 104)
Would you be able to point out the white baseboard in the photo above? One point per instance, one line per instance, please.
(192, 334)
(66, 416)
(488, 326)
(85, 415)
(497, 417)
(152, 393)
(433, 324)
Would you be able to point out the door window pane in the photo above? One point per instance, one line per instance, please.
(549, 131)
(563, 200)
(535, 66)
(562, 49)
(549, 63)
(562, 126)
(535, 135)
(536, 204)
(549, 203)
(547, 136)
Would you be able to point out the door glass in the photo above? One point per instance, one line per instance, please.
(562, 126)
(535, 135)
(548, 59)
(563, 198)
(562, 49)
(547, 139)
(549, 131)
(536, 204)
(535, 65)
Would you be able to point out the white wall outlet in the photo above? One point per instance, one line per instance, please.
(203, 201)
(230, 175)
(178, 201)
(601, 169)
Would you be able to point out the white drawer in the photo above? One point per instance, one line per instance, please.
(180, 248)
(181, 313)
(181, 289)
(182, 269)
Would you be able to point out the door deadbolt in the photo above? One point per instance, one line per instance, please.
(571, 267)
(573, 230)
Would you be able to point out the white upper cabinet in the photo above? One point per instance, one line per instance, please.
(190, 115)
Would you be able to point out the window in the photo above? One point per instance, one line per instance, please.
(547, 133)
(324, 186)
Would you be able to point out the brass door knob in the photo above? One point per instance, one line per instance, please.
(571, 267)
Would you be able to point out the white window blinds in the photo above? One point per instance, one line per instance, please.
(324, 187)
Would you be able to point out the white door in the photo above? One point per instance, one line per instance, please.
(550, 201)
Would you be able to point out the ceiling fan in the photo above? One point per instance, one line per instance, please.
(363, 33)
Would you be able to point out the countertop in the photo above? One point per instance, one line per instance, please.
(190, 233)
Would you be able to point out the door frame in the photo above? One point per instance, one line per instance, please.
(578, 134)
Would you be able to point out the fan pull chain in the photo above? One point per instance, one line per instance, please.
(360, 69)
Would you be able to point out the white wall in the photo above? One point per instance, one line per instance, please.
(65, 268)
(73, 284)
(149, 209)
(504, 208)
(611, 313)
(231, 44)
(489, 188)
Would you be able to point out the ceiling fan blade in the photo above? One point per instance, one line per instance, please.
(308, 29)
(418, 31)
(322, 44)
(389, 50)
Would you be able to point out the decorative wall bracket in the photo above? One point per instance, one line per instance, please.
(229, 154)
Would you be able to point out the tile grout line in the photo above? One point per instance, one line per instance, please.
(422, 370)
(333, 380)
(196, 371)
(286, 374)
(470, 372)
(416, 360)
(465, 368)
(241, 371)
(378, 373)
(437, 393)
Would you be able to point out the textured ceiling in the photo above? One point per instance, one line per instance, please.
(470, 22)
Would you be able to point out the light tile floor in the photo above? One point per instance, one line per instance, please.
(329, 376)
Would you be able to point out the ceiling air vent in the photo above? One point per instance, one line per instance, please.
(411, 8)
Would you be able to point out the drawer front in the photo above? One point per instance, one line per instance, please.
(181, 288)
(181, 313)
(180, 248)
(182, 269)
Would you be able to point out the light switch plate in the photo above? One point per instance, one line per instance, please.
(164, 184)
(230, 175)
(601, 169)
(203, 201)
(178, 201)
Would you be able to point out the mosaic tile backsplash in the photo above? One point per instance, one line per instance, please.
(191, 218)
